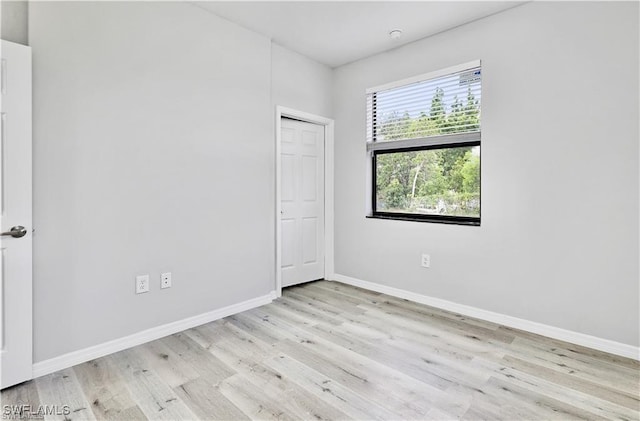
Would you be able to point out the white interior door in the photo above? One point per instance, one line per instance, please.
(302, 202)
(15, 202)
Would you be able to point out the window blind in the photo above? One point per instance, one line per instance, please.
(426, 110)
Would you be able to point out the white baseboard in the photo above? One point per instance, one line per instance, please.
(577, 338)
(83, 355)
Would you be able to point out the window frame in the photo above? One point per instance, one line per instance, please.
(436, 142)
(422, 217)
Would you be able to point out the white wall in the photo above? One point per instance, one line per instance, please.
(154, 151)
(559, 237)
(14, 21)
(300, 83)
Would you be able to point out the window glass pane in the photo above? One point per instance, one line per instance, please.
(431, 182)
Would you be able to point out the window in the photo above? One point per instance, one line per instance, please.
(423, 139)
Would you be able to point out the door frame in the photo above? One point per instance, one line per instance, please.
(328, 187)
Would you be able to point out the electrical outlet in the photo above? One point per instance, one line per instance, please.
(165, 280)
(142, 284)
(426, 261)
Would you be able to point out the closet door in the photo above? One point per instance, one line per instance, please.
(302, 200)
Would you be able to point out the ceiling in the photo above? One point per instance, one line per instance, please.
(336, 33)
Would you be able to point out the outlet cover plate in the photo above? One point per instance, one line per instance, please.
(142, 284)
(165, 280)
(426, 261)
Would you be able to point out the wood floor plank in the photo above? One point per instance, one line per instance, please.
(434, 330)
(453, 325)
(383, 300)
(338, 296)
(296, 400)
(250, 324)
(252, 401)
(246, 355)
(300, 318)
(347, 302)
(207, 402)
(198, 337)
(306, 310)
(421, 367)
(574, 351)
(321, 304)
(244, 345)
(330, 351)
(371, 328)
(373, 380)
(438, 358)
(199, 359)
(601, 391)
(153, 396)
(332, 392)
(614, 407)
(539, 406)
(360, 382)
(16, 401)
(166, 363)
(62, 389)
(611, 375)
(106, 391)
(342, 290)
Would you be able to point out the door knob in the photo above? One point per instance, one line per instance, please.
(16, 232)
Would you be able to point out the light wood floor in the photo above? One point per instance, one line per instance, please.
(328, 351)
